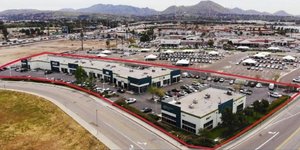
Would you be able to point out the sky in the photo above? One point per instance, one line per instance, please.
(290, 6)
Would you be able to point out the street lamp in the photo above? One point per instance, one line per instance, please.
(10, 71)
(97, 120)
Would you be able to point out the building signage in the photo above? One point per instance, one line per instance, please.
(55, 63)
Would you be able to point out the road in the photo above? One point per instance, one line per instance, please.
(290, 76)
(282, 132)
(120, 130)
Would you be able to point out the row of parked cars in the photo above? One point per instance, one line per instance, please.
(185, 90)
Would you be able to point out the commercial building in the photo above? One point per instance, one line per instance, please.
(201, 109)
(134, 78)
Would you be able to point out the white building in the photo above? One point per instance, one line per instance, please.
(201, 109)
(133, 78)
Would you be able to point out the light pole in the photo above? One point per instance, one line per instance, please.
(97, 120)
(9, 71)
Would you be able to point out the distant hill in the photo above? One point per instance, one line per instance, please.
(247, 12)
(67, 10)
(20, 11)
(204, 7)
(281, 13)
(118, 10)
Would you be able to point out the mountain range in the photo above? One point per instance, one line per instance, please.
(203, 7)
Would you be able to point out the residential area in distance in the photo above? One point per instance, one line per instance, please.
(189, 77)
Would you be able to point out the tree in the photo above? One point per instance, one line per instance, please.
(107, 43)
(203, 132)
(210, 43)
(3, 28)
(144, 37)
(228, 119)
(261, 107)
(131, 40)
(152, 90)
(160, 92)
(81, 37)
(156, 91)
(91, 81)
(80, 75)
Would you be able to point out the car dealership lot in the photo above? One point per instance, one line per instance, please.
(193, 83)
(229, 62)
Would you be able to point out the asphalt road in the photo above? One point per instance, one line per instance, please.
(120, 130)
(282, 133)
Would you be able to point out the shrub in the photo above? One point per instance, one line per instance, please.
(278, 102)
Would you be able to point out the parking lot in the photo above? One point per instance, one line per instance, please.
(191, 82)
(229, 62)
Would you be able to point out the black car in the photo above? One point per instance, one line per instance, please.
(48, 72)
(175, 90)
(252, 84)
(188, 91)
(183, 87)
(146, 110)
(216, 79)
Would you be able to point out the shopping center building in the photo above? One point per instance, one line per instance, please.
(201, 109)
(135, 78)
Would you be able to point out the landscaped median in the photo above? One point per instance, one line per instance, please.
(246, 120)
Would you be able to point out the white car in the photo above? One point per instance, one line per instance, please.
(130, 101)
(258, 85)
(296, 80)
(275, 94)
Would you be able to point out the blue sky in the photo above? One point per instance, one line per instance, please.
(291, 6)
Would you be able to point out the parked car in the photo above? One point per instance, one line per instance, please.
(297, 80)
(216, 79)
(146, 110)
(231, 82)
(48, 72)
(121, 90)
(252, 84)
(258, 85)
(275, 94)
(271, 86)
(246, 91)
(130, 101)
(175, 90)
(221, 80)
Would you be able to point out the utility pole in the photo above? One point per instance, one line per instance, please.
(81, 35)
(97, 119)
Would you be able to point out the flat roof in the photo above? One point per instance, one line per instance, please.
(117, 68)
(205, 106)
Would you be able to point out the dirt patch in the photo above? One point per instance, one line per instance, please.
(8, 54)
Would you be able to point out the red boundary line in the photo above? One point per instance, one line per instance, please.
(153, 64)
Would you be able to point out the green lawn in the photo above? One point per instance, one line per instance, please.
(31, 122)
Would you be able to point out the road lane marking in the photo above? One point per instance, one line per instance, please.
(282, 120)
(288, 139)
(266, 141)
